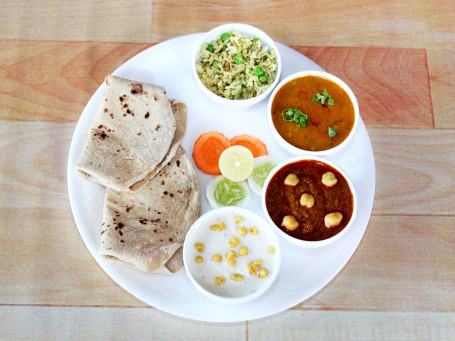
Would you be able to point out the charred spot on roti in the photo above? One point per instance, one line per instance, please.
(136, 89)
(129, 208)
(112, 115)
(147, 115)
(154, 97)
(157, 127)
(101, 135)
(105, 110)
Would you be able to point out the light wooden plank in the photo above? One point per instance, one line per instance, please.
(414, 171)
(441, 64)
(403, 264)
(82, 20)
(361, 325)
(97, 323)
(43, 260)
(53, 81)
(418, 24)
(391, 84)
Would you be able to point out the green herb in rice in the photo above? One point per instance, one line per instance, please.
(235, 66)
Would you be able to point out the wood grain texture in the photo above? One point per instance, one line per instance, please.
(99, 323)
(387, 82)
(389, 23)
(53, 81)
(82, 20)
(441, 64)
(359, 325)
(414, 171)
(403, 264)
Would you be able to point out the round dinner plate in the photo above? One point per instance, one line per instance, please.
(303, 271)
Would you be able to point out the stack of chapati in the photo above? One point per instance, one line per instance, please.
(152, 193)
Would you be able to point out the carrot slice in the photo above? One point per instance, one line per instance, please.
(207, 150)
(256, 146)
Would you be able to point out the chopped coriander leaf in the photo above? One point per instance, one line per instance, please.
(210, 48)
(239, 58)
(258, 71)
(296, 116)
(325, 96)
(255, 39)
(332, 132)
(225, 36)
(263, 78)
(240, 91)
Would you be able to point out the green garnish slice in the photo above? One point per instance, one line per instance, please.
(325, 96)
(258, 71)
(255, 39)
(225, 36)
(228, 193)
(216, 65)
(210, 48)
(239, 58)
(261, 172)
(240, 93)
(332, 132)
(295, 115)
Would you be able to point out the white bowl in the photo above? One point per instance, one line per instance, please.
(298, 151)
(247, 30)
(202, 275)
(300, 242)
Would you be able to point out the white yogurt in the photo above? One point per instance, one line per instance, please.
(203, 274)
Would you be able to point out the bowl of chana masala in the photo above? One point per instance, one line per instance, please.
(309, 201)
(313, 112)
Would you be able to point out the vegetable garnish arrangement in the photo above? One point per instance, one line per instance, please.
(241, 163)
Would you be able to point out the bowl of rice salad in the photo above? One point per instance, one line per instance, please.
(237, 65)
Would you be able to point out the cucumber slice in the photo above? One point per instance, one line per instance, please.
(224, 192)
(262, 167)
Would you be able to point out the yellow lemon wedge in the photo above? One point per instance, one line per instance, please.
(236, 163)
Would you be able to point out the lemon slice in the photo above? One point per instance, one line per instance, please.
(236, 163)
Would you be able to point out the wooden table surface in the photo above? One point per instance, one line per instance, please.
(397, 56)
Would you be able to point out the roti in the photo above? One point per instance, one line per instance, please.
(146, 229)
(130, 136)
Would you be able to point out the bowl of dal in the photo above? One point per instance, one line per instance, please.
(313, 112)
(236, 65)
(309, 201)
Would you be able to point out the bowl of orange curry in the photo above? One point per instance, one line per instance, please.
(313, 112)
(309, 201)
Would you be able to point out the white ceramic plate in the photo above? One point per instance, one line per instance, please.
(303, 271)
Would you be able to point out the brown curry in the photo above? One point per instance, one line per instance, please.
(284, 200)
(299, 93)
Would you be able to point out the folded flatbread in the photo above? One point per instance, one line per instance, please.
(130, 136)
(146, 229)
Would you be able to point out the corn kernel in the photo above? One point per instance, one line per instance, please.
(251, 269)
(257, 263)
(242, 231)
(263, 272)
(238, 219)
(199, 259)
(253, 230)
(237, 277)
(217, 258)
(220, 226)
(271, 249)
(199, 247)
(243, 251)
(234, 242)
(230, 258)
(219, 280)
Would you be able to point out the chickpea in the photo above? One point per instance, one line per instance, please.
(263, 272)
(243, 251)
(199, 247)
(237, 277)
(217, 258)
(291, 180)
(307, 200)
(234, 242)
(333, 219)
(254, 230)
(329, 179)
(220, 226)
(219, 280)
(242, 231)
(199, 259)
(238, 219)
(290, 223)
